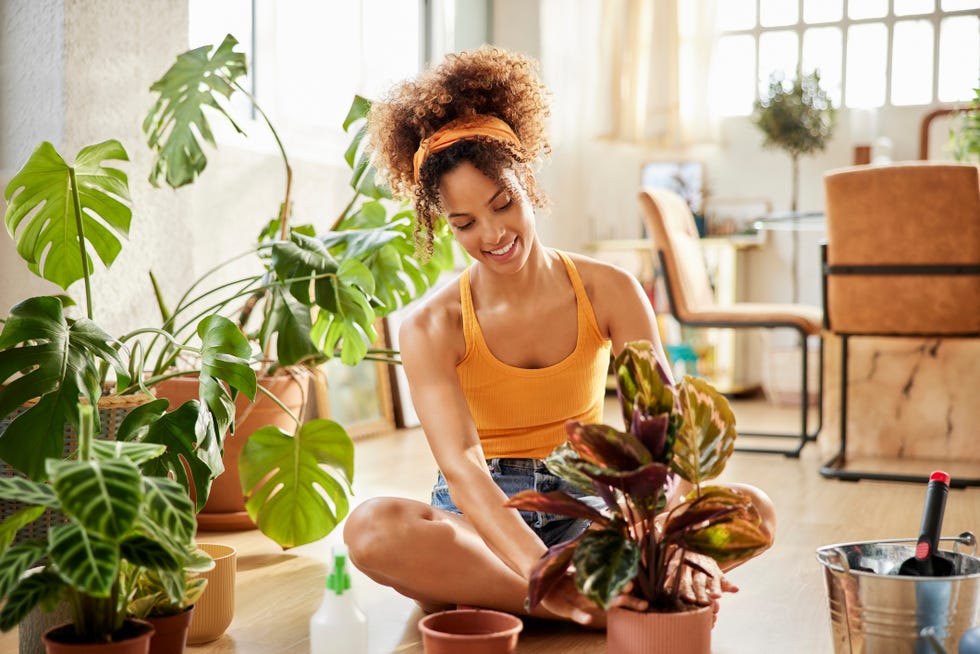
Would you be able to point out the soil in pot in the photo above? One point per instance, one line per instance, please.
(633, 632)
(170, 632)
(133, 638)
(474, 631)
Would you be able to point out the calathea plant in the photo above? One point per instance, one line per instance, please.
(684, 432)
(118, 517)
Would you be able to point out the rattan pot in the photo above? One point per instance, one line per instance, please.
(634, 632)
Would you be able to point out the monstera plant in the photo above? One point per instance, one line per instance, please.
(641, 539)
(62, 216)
(314, 293)
(118, 518)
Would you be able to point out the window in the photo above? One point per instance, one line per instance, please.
(308, 58)
(870, 53)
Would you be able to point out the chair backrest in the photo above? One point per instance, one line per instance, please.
(903, 218)
(675, 236)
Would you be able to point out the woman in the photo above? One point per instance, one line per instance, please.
(500, 361)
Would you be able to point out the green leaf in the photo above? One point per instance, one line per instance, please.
(41, 216)
(722, 523)
(17, 560)
(149, 553)
(138, 453)
(30, 592)
(299, 259)
(359, 109)
(62, 364)
(642, 382)
(87, 562)
(29, 492)
(177, 118)
(176, 430)
(706, 437)
(287, 480)
(224, 358)
(17, 521)
(605, 562)
(288, 320)
(607, 447)
(168, 505)
(104, 496)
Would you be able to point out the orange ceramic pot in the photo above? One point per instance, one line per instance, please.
(633, 632)
(134, 639)
(474, 631)
(225, 508)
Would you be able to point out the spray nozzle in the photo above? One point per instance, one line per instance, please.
(339, 580)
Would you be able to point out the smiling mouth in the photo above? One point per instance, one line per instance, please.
(504, 250)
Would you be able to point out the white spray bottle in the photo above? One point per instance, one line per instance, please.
(338, 626)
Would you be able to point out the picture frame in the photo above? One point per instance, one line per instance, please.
(358, 397)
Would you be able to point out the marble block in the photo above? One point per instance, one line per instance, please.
(908, 398)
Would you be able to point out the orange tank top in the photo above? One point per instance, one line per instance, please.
(521, 412)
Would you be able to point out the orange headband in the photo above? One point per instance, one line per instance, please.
(460, 129)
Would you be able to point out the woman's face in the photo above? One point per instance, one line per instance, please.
(492, 223)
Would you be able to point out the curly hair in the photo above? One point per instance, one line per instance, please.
(487, 80)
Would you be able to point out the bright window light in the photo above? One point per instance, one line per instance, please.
(733, 76)
(822, 50)
(959, 52)
(912, 62)
(822, 11)
(912, 7)
(960, 5)
(774, 13)
(777, 54)
(736, 15)
(867, 48)
(858, 9)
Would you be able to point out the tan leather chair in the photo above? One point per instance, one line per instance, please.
(902, 258)
(675, 239)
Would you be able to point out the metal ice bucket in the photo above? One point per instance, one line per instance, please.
(874, 611)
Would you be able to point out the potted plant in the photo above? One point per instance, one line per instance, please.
(313, 295)
(964, 136)
(641, 539)
(799, 120)
(166, 598)
(116, 516)
(61, 217)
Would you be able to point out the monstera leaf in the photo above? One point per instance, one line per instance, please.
(61, 361)
(60, 215)
(287, 505)
(177, 118)
(706, 438)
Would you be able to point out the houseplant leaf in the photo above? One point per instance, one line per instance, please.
(607, 447)
(168, 505)
(17, 560)
(224, 358)
(29, 492)
(605, 562)
(706, 439)
(177, 118)
(104, 496)
(41, 215)
(30, 592)
(138, 453)
(85, 561)
(549, 569)
(288, 505)
(557, 502)
(62, 361)
(17, 521)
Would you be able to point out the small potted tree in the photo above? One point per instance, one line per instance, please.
(117, 517)
(799, 120)
(641, 541)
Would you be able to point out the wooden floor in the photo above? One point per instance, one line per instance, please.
(781, 606)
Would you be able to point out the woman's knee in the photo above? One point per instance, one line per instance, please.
(377, 527)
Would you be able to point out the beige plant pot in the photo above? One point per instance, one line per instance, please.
(633, 632)
(215, 609)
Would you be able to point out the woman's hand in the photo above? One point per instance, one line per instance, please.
(565, 600)
(699, 588)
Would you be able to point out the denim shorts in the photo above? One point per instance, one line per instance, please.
(516, 475)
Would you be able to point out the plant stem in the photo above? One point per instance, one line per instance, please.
(80, 228)
(86, 429)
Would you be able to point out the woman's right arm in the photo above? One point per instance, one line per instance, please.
(431, 343)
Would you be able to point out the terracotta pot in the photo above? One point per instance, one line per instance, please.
(135, 636)
(632, 632)
(474, 631)
(225, 508)
(215, 609)
(170, 632)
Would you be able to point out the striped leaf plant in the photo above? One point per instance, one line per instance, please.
(118, 518)
(674, 432)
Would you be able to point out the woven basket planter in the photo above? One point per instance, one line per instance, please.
(112, 410)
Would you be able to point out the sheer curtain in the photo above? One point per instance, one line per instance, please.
(655, 60)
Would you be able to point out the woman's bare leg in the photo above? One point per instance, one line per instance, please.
(432, 556)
